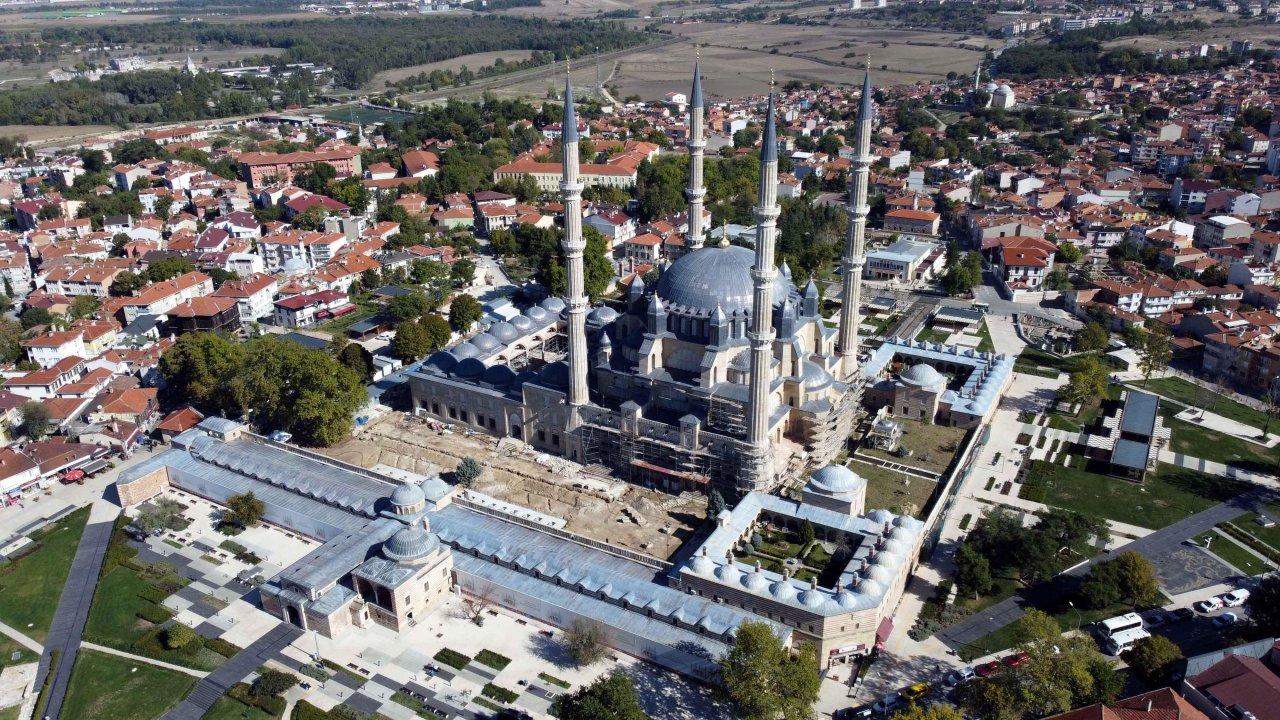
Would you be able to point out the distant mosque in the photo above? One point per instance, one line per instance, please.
(721, 374)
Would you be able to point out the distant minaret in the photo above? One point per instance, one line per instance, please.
(854, 250)
(977, 76)
(759, 473)
(190, 67)
(696, 143)
(574, 245)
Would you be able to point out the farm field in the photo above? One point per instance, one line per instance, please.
(474, 61)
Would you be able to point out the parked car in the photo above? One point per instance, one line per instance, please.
(961, 676)
(1016, 659)
(1225, 620)
(1156, 620)
(887, 704)
(915, 692)
(1181, 615)
(1235, 598)
(987, 669)
(1209, 605)
(854, 713)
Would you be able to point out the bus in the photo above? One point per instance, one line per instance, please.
(1124, 640)
(1119, 624)
(1121, 632)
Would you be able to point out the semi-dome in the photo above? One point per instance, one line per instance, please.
(815, 377)
(411, 543)
(504, 331)
(835, 479)
(711, 276)
(465, 350)
(407, 495)
(922, 376)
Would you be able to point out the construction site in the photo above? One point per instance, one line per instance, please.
(587, 498)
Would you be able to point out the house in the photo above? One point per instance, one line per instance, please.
(313, 248)
(1161, 704)
(615, 226)
(41, 384)
(1237, 682)
(134, 405)
(178, 422)
(259, 168)
(420, 163)
(646, 248)
(906, 260)
(18, 473)
(205, 314)
(159, 298)
(1023, 263)
(54, 346)
(914, 222)
(302, 311)
(254, 295)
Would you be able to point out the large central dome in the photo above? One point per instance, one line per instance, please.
(713, 276)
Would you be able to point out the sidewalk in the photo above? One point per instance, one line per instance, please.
(21, 639)
(158, 663)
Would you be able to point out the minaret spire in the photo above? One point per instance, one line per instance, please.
(574, 245)
(854, 251)
(696, 143)
(758, 473)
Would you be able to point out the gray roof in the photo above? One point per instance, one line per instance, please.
(1130, 454)
(714, 276)
(306, 341)
(339, 556)
(1139, 413)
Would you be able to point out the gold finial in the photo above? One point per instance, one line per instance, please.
(868, 60)
(724, 233)
(772, 82)
(697, 52)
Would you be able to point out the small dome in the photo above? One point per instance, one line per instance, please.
(991, 87)
(782, 590)
(499, 376)
(602, 315)
(701, 564)
(435, 488)
(521, 379)
(441, 361)
(815, 378)
(922, 376)
(880, 516)
(812, 597)
(846, 599)
(407, 495)
(1005, 89)
(728, 573)
(537, 314)
(522, 323)
(294, 265)
(870, 588)
(469, 369)
(895, 546)
(552, 305)
(834, 479)
(880, 574)
(486, 343)
(755, 580)
(504, 331)
(465, 350)
(410, 543)
(555, 375)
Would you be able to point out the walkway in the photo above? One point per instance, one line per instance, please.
(143, 659)
(215, 684)
(73, 610)
(21, 639)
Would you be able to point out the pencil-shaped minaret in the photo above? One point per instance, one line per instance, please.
(854, 249)
(697, 143)
(574, 245)
(760, 473)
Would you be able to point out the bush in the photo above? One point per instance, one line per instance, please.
(314, 672)
(493, 659)
(119, 551)
(153, 594)
(270, 704)
(233, 547)
(499, 693)
(155, 614)
(222, 647)
(178, 636)
(273, 683)
(452, 658)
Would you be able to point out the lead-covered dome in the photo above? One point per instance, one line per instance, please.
(711, 276)
(407, 498)
(922, 376)
(410, 543)
(835, 479)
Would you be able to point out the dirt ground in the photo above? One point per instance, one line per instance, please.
(636, 519)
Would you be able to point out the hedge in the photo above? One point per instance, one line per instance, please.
(272, 705)
(154, 594)
(553, 680)
(499, 693)
(1248, 539)
(155, 614)
(222, 647)
(493, 659)
(452, 658)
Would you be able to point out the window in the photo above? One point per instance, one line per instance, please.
(555, 439)
(542, 436)
(453, 413)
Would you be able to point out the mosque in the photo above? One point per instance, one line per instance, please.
(722, 374)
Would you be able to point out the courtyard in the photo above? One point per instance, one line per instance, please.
(897, 492)
(928, 446)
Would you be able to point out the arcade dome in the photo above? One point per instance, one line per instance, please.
(922, 376)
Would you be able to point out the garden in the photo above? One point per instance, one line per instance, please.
(777, 549)
(927, 446)
(896, 492)
(108, 686)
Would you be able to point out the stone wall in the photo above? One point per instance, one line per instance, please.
(143, 488)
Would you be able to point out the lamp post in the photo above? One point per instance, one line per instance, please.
(1078, 616)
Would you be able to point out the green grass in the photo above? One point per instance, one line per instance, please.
(986, 345)
(1031, 358)
(10, 713)
(8, 646)
(493, 659)
(552, 679)
(1191, 439)
(885, 489)
(1271, 535)
(339, 325)
(410, 702)
(1067, 618)
(231, 709)
(173, 543)
(1236, 556)
(114, 622)
(107, 686)
(1168, 495)
(31, 585)
(933, 335)
(1191, 394)
(932, 446)
(452, 658)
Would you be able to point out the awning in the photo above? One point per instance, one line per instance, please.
(343, 310)
(883, 632)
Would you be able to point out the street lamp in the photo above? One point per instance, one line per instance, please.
(1078, 617)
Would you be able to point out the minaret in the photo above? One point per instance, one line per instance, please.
(854, 250)
(758, 474)
(573, 244)
(696, 143)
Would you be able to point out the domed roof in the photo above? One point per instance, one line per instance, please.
(846, 599)
(441, 361)
(407, 494)
(881, 516)
(880, 574)
(499, 375)
(552, 305)
(701, 564)
(436, 488)
(537, 314)
(713, 276)
(834, 479)
(410, 543)
(602, 315)
(922, 376)
(1005, 89)
(295, 265)
(815, 377)
(465, 350)
(755, 580)
(870, 587)
(469, 369)
(895, 546)
(728, 573)
(522, 323)
(504, 331)
(521, 379)
(782, 590)
(555, 374)
(486, 343)
(812, 597)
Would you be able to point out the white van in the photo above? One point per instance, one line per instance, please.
(1235, 598)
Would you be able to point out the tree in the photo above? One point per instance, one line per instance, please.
(1264, 605)
(411, 341)
(83, 306)
(464, 311)
(310, 219)
(1057, 280)
(962, 277)
(354, 356)
(585, 642)
(612, 697)
(1092, 337)
(806, 533)
(438, 331)
(468, 471)
(1088, 380)
(1155, 353)
(933, 712)
(408, 306)
(33, 316)
(1154, 658)
(221, 277)
(715, 504)
(1136, 577)
(272, 683)
(163, 513)
(299, 390)
(168, 268)
(764, 680)
(1069, 252)
(127, 283)
(973, 571)
(199, 368)
(243, 509)
(463, 271)
(178, 636)
(35, 419)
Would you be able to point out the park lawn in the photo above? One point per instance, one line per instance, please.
(1271, 535)
(1190, 439)
(9, 646)
(986, 345)
(1002, 588)
(1067, 618)
(1032, 358)
(114, 622)
(932, 446)
(1170, 494)
(885, 490)
(1232, 553)
(108, 686)
(933, 335)
(13, 712)
(31, 585)
(1191, 394)
(231, 709)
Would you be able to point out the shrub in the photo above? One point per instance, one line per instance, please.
(273, 683)
(155, 614)
(452, 658)
(499, 693)
(153, 594)
(178, 636)
(493, 659)
(233, 547)
(554, 680)
(314, 672)
(222, 647)
(270, 704)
